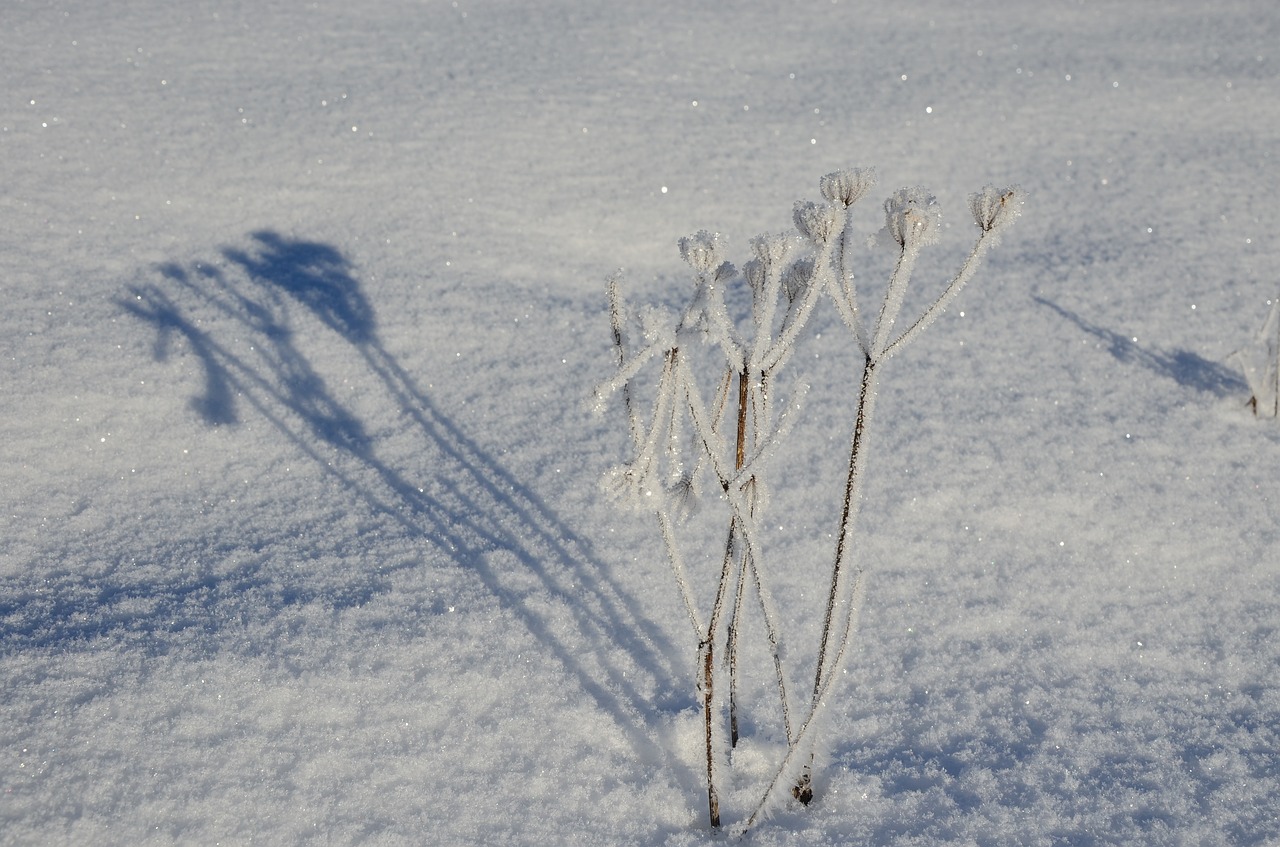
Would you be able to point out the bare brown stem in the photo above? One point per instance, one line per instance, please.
(708, 671)
(740, 458)
(713, 798)
(849, 511)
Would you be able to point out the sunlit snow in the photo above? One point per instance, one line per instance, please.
(302, 536)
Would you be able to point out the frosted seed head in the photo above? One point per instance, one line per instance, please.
(912, 217)
(818, 222)
(754, 494)
(725, 273)
(701, 250)
(846, 187)
(628, 485)
(797, 279)
(657, 328)
(684, 497)
(756, 276)
(772, 250)
(995, 208)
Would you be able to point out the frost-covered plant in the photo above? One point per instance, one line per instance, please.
(683, 440)
(1261, 364)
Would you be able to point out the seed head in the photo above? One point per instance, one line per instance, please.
(818, 222)
(701, 250)
(995, 208)
(846, 187)
(772, 250)
(912, 217)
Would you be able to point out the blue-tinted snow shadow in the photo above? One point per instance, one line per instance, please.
(1182, 366)
(242, 318)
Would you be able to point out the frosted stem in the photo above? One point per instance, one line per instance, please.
(617, 322)
(677, 567)
(780, 349)
(751, 555)
(931, 314)
(849, 514)
(708, 674)
(803, 742)
(893, 297)
(731, 647)
(713, 797)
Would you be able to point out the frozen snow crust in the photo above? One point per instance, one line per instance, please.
(301, 532)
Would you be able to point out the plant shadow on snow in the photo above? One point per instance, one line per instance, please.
(1182, 366)
(463, 503)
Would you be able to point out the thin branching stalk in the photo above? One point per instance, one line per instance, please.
(751, 556)
(966, 272)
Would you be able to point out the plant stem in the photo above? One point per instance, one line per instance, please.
(803, 789)
(713, 799)
(740, 458)
(732, 649)
(707, 648)
(849, 512)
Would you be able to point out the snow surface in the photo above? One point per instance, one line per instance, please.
(301, 532)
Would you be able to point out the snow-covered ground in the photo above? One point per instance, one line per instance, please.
(301, 532)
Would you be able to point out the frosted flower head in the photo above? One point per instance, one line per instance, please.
(657, 327)
(756, 275)
(772, 250)
(725, 273)
(629, 486)
(846, 187)
(701, 250)
(912, 217)
(995, 208)
(818, 222)
(796, 281)
(684, 497)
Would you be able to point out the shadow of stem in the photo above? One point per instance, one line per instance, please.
(465, 504)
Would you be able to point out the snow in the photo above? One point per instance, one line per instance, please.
(302, 537)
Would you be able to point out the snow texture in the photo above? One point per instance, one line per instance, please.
(301, 538)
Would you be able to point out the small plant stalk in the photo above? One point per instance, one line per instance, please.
(849, 513)
(803, 788)
(708, 677)
(740, 458)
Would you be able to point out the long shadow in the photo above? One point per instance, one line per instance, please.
(465, 504)
(1182, 366)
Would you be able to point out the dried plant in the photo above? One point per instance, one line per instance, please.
(1261, 364)
(684, 442)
